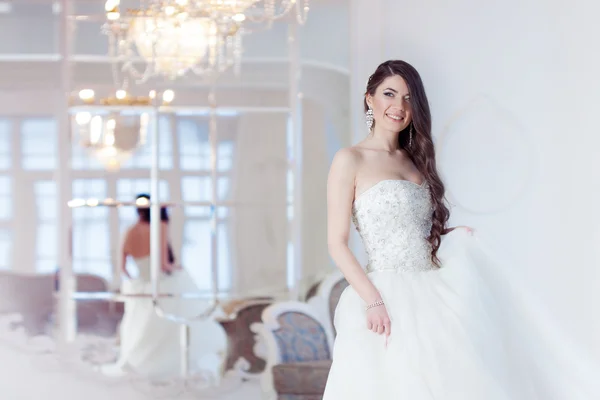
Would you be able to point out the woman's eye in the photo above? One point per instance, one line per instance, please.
(390, 94)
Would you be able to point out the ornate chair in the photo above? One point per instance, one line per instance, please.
(240, 315)
(312, 290)
(298, 347)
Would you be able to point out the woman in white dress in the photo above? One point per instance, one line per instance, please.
(431, 317)
(150, 344)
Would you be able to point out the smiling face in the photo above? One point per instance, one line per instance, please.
(391, 104)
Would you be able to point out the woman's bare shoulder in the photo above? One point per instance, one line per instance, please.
(348, 157)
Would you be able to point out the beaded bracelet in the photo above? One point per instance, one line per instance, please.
(376, 304)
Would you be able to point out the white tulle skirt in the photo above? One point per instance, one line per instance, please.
(150, 345)
(462, 332)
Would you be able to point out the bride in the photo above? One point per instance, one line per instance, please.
(431, 317)
(149, 344)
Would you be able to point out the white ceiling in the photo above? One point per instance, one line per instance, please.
(29, 49)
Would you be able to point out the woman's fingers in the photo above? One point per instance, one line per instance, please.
(387, 328)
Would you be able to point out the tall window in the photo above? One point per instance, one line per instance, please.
(5, 194)
(5, 144)
(91, 230)
(194, 148)
(5, 215)
(5, 198)
(142, 158)
(38, 143)
(196, 183)
(46, 244)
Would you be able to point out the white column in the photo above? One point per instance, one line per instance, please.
(66, 305)
(214, 234)
(296, 137)
(155, 248)
(367, 51)
(177, 214)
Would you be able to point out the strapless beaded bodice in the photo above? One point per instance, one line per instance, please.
(393, 219)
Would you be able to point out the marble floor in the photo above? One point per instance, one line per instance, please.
(30, 369)
(27, 377)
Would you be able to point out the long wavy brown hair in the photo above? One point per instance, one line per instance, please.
(421, 151)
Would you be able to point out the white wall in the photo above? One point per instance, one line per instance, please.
(514, 93)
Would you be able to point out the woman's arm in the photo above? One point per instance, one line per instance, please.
(340, 196)
(166, 265)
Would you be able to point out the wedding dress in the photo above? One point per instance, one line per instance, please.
(460, 332)
(150, 344)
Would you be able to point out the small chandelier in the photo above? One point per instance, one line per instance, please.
(113, 128)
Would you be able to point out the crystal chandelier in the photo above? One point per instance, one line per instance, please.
(257, 11)
(112, 129)
(171, 38)
(175, 37)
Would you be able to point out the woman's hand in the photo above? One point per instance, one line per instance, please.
(378, 320)
(167, 268)
(469, 230)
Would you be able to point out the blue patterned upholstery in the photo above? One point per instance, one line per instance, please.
(301, 338)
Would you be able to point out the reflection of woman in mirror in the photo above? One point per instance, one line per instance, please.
(149, 343)
(137, 243)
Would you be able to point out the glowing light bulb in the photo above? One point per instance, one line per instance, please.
(95, 129)
(83, 118)
(76, 203)
(86, 95)
(113, 15)
(110, 5)
(168, 96)
(239, 17)
(142, 201)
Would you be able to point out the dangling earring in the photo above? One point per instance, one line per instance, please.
(369, 119)
(410, 136)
